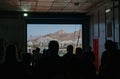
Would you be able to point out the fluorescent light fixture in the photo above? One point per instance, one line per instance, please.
(107, 10)
(25, 14)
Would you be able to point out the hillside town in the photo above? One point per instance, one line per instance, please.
(61, 36)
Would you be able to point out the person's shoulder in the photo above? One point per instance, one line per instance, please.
(104, 53)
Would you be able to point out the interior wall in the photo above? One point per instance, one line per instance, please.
(13, 30)
(86, 34)
(101, 24)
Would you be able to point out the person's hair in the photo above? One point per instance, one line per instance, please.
(53, 46)
(70, 48)
(78, 50)
(109, 44)
(37, 49)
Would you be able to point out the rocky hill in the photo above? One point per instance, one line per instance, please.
(60, 35)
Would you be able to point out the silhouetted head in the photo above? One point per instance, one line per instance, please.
(70, 48)
(78, 51)
(53, 47)
(109, 44)
(37, 50)
(33, 51)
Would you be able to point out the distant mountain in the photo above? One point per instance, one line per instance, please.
(60, 32)
(60, 35)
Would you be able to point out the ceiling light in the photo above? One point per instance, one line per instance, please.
(107, 10)
(25, 14)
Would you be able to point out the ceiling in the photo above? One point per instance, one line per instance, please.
(48, 5)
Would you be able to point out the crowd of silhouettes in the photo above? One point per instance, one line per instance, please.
(75, 64)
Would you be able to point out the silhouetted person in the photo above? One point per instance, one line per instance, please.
(54, 61)
(88, 66)
(12, 67)
(69, 63)
(50, 67)
(79, 52)
(110, 62)
(91, 55)
(27, 59)
(36, 56)
(79, 65)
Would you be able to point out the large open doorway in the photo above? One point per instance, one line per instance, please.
(39, 35)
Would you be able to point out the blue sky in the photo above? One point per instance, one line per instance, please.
(34, 30)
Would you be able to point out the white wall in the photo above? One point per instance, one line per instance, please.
(98, 27)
